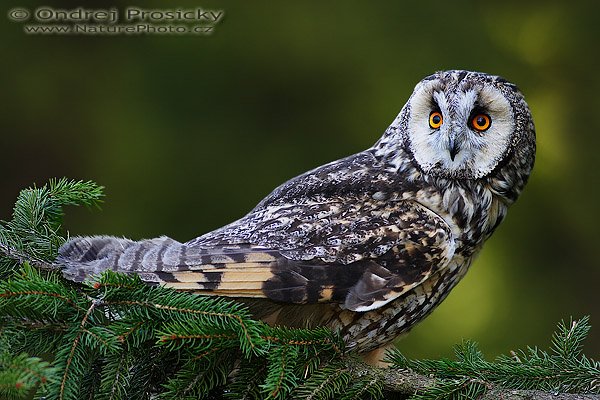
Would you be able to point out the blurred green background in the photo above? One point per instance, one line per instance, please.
(188, 133)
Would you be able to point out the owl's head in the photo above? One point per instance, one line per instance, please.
(466, 125)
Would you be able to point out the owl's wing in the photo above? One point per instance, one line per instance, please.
(351, 251)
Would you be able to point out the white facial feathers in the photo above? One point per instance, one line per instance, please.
(456, 149)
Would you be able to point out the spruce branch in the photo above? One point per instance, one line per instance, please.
(34, 233)
(114, 337)
(562, 369)
(412, 385)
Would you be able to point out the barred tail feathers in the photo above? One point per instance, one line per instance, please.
(227, 270)
(82, 257)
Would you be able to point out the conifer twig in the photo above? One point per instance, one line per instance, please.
(403, 381)
(22, 258)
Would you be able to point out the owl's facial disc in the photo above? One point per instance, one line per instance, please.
(459, 129)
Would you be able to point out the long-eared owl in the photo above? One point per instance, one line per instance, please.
(369, 244)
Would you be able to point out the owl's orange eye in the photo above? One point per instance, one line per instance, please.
(435, 119)
(481, 122)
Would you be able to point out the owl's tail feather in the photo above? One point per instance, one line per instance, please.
(82, 257)
(235, 269)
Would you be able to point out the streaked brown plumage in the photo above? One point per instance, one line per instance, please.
(369, 244)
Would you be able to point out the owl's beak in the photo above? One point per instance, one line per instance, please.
(453, 147)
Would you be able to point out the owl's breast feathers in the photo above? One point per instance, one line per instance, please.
(341, 233)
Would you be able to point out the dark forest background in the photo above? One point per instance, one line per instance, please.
(188, 133)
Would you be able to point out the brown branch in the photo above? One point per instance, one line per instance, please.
(63, 382)
(41, 293)
(275, 392)
(292, 342)
(183, 310)
(407, 382)
(505, 394)
(22, 257)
